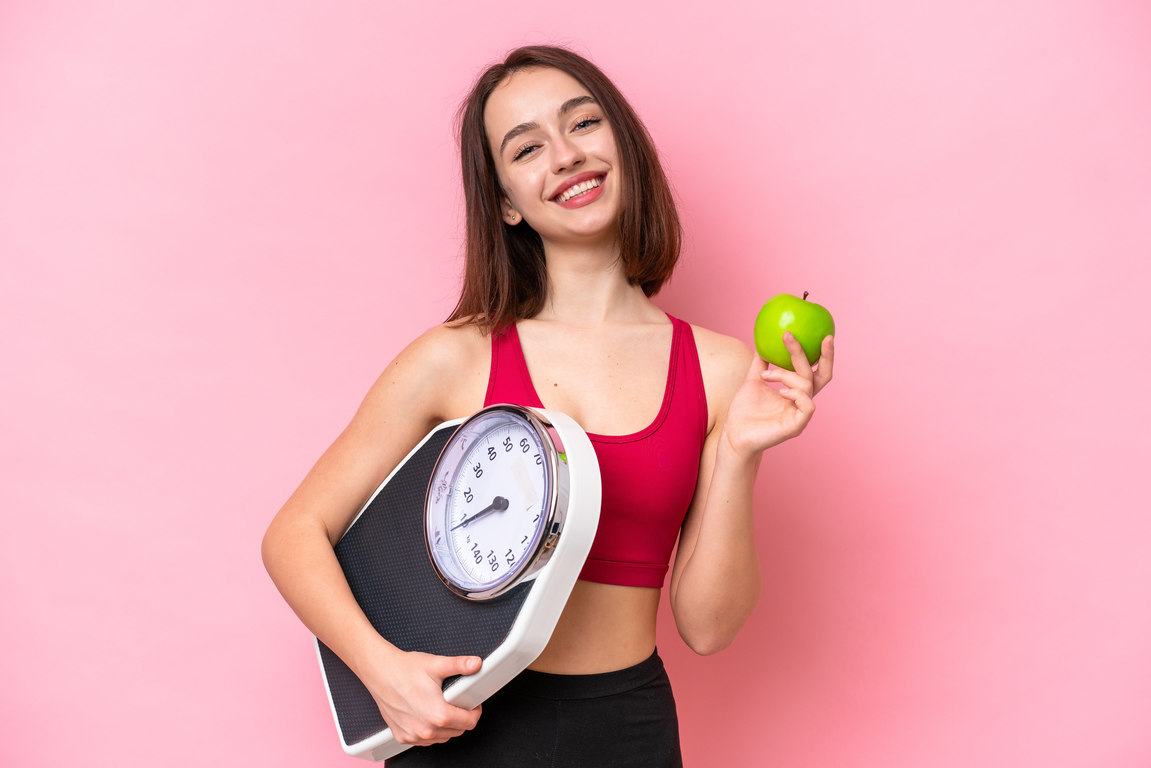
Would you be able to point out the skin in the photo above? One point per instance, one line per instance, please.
(598, 351)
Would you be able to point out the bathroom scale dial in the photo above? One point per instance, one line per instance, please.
(496, 501)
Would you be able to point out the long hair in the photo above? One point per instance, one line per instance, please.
(505, 275)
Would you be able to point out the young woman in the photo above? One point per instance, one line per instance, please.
(571, 228)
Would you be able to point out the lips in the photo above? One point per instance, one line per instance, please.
(577, 186)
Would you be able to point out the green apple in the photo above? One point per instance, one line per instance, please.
(807, 321)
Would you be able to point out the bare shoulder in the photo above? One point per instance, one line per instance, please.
(721, 357)
(724, 361)
(447, 346)
(445, 369)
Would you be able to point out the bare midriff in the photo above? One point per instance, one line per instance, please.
(603, 628)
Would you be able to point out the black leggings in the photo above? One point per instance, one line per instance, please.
(617, 719)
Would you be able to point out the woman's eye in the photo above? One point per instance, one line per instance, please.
(586, 122)
(523, 151)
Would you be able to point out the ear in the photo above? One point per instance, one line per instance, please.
(510, 215)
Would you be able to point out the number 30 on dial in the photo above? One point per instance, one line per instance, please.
(495, 501)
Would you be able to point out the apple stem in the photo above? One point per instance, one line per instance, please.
(805, 295)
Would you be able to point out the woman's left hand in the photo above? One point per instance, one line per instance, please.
(761, 416)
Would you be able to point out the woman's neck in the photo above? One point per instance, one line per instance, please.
(587, 287)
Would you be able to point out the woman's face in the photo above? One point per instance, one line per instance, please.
(556, 157)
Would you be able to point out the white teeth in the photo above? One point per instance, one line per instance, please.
(578, 189)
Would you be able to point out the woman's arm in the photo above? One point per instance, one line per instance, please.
(715, 581)
(421, 388)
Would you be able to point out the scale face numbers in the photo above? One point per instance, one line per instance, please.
(491, 516)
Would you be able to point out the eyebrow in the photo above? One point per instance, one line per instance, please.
(566, 107)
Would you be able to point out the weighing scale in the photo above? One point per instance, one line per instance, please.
(470, 546)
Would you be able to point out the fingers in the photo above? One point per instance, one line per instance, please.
(420, 715)
(447, 666)
(802, 378)
(789, 379)
(441, 724)
(798, 356)
(803, 403)
(449, 720)
(821, 374)
(824, 365)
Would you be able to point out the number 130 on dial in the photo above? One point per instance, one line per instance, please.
(495, 501)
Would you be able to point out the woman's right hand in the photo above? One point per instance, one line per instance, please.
(408, 689)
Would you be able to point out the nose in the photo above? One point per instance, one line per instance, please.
(566, 154)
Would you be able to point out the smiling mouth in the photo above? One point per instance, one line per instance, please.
(576, 190)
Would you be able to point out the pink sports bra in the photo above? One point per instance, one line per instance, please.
(648, 476)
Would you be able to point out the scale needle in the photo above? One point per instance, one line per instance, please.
(499, 504)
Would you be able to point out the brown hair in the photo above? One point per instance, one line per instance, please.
(505, 277)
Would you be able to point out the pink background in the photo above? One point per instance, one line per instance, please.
(219, 221)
